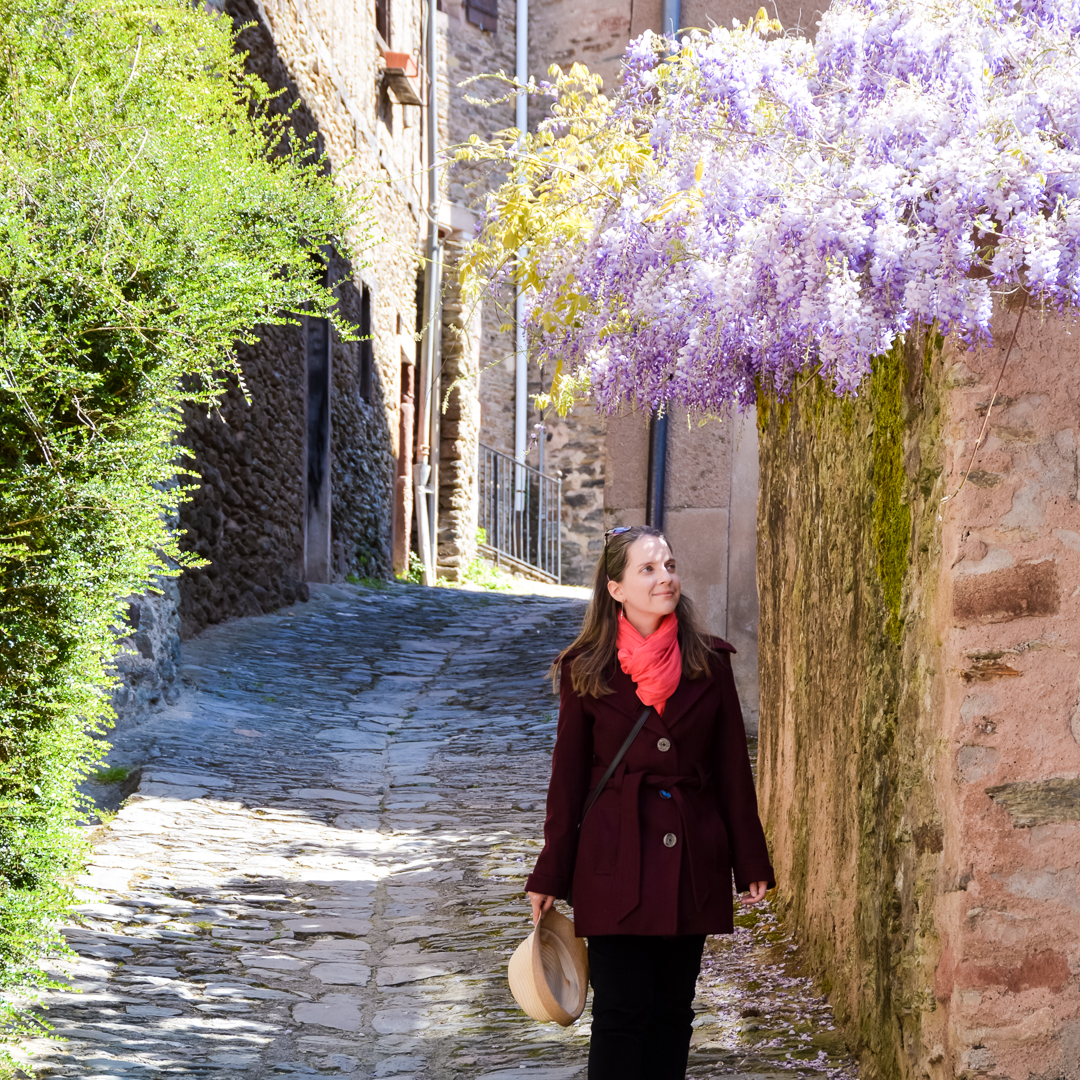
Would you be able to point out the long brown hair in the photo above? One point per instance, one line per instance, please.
(594, 648)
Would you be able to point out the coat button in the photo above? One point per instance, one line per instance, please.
(670, 839)
(663, 745)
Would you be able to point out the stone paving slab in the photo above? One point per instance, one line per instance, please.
(321, 871)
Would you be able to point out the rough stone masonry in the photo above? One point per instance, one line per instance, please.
(920, 752)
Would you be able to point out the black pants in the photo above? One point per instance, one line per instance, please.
(643, 993)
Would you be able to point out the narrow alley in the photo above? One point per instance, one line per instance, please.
(320, 872)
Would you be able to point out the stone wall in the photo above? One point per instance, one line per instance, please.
(845, 733)
(363, 459)
(246, 514)
(473, 346)
(252, 514)
(149, 654)
(459, 429)
(917, 771)
(574, 451)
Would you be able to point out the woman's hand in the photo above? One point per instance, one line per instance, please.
(541, 903)
(756, 893)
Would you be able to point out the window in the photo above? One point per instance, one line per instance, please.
(382, 20)
(483, 13)
(366, 346)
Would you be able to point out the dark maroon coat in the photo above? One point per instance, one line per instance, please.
(698, 793)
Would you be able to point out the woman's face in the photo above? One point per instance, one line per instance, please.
(650, 586)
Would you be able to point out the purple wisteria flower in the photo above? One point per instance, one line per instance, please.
(803, 204)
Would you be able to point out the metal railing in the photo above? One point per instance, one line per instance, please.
(520, 512)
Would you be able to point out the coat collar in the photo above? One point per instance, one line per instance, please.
(625, 699)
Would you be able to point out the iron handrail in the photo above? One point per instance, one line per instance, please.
(520, 514)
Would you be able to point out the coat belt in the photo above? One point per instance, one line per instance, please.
(628, 869)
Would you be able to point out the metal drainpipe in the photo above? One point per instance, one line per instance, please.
(426, 476)
(669, 19)
(657, 478)
(521, 355)
(656, 484)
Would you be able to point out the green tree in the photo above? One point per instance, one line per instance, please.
(154, 210)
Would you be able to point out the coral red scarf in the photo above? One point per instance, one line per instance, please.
(653, 662)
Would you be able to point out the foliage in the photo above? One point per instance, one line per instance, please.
(114, 774)
(481, 572)
(576, 163)
(153, 212)
(415, 574)
(367, 582)
(374, 583)
(749, 206)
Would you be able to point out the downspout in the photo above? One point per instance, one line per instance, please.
(656, 483)
(521, 355)
(426, 474)
(670, 18)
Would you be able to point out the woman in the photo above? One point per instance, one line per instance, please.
(652, 868)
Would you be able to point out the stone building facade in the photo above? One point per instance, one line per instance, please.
(297, 469)
(469, 335)
(484, 43)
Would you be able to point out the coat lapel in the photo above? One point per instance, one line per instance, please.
(680, 703)
(625, 699)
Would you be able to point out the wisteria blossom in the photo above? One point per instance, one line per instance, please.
(750, 206)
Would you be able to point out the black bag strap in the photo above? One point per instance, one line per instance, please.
(614, 764)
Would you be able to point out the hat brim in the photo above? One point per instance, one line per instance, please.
(549, 971)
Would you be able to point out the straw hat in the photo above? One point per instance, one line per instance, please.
(549, 971)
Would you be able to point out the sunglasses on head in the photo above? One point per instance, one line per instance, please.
(617, 531)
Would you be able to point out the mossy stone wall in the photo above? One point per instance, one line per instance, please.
(919, 762)
(847, 558)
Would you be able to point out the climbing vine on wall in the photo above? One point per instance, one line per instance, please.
(152, 213)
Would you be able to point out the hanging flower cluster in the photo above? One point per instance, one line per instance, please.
(751, 206)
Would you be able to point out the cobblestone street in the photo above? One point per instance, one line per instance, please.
(321, 871)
